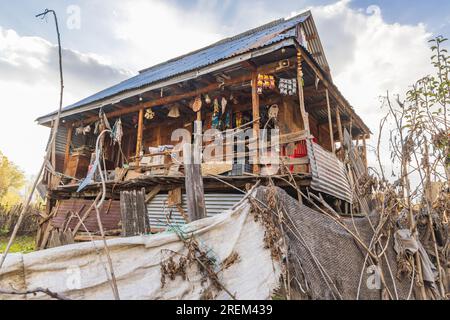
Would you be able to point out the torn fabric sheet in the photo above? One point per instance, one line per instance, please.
(76, 271)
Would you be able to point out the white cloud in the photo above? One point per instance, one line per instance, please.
(155, 31)
(29, 87)
(369, 56)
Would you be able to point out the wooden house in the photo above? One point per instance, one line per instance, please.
(275, 76)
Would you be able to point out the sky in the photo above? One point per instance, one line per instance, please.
(372, 46)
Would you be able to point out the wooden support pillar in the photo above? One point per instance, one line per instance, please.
(330, 123)
(195, 192)
(366, 161)
(301, 95)
(350, 127)
(68, 143)
(256, 116)
(339, 125)
(140, 132)
(53, 146)
(194, 181)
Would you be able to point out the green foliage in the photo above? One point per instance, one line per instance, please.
(420, 139)
(21, 245)
(11, 179)
(428, 101)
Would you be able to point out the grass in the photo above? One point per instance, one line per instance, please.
(24, 244)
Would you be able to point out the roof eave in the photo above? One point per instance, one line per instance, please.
(46, 120)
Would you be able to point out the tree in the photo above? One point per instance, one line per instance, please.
(11, 177)
(420, 143)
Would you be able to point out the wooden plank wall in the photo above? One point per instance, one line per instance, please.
(134, 213)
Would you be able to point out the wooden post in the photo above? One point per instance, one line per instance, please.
(330, 123)
(301, 95)
(193, 180)
(366, 161)
(140, 132)
(339, 125)
(134, 213)
(53, 146)
(68, 143)
(256, 116)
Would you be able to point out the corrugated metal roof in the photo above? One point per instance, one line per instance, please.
(254, 39)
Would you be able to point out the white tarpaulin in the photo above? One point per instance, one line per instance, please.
(77, 272)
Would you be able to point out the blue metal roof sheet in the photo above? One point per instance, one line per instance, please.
(254, 39)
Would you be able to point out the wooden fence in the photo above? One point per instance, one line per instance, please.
(10, 216)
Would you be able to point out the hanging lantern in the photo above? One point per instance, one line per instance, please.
(197, 105)
(174, 112)
(149, 114)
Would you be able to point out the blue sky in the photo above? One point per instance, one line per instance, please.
(96, 15)
(19, 14)
(370, 49)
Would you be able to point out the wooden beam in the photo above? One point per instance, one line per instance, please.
(255, 111)
(311, 37)
(266, 69)
(140, 132)
(300, 92)
(330, 123)
(68, 143)
(317, 105)
(247, 64)
(152, 194)
(312, 91)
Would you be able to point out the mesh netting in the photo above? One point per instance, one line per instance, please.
(328, 262)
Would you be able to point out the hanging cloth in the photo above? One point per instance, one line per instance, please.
(216, 115)
(104, 121)
(118, 132)
(224, 105)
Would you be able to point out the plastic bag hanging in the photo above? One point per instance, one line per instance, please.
(118, 132)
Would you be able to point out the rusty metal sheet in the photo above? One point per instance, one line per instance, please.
(109, 213)
(328, 173)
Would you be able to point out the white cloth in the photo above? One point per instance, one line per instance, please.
(137, 264)
(404, 241)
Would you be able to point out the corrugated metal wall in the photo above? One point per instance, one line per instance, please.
(328, 173)
(60, 146)
(110, 215)
(216, 203)
(61, 140)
